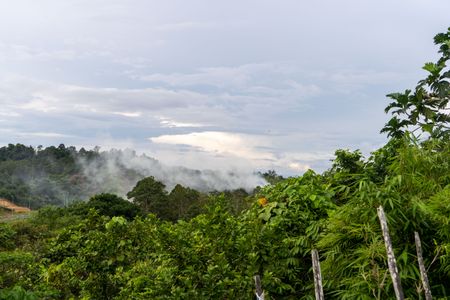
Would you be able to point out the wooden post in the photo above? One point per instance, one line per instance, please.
(259, 290)
(392, 263)
(317, 275)
(423, 271)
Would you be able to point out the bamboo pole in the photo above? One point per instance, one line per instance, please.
(423, 271)
(392, 263)
(317, 275)
(259, 290)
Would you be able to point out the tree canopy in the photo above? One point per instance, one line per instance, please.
(150, 195)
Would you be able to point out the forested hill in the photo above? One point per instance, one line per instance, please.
(59, 175)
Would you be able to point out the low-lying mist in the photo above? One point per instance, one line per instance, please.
(118, 171)
(60, 175)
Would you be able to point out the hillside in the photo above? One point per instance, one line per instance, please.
(61, 175)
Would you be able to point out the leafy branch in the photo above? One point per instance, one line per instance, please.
(426, 108)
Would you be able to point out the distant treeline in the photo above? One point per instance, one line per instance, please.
(35, 177)
(42, 176)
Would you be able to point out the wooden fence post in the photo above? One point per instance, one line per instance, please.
(423, 271)
(259, 290)
(392, 263)
(317, 275)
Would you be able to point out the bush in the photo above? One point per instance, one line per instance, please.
(7, 235)
(15, 267)
(112, 205)
(17, 293)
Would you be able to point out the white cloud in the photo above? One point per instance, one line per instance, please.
(45, 134)
(244, 76)
(128, 114)
(228, 149)
(28, 53)
(233, 144)
(217, 76)
(41, 103)
(5, 113)
(39, 134)
(170, 123)
(298, 166)
(46, 96)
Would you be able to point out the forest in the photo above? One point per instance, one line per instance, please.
(186, 243)
(35, 177)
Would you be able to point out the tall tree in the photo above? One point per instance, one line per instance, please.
(150, 195)
(184, 203)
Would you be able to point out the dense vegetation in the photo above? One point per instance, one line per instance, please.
(53, 175)
(35, 177)
(194, 247)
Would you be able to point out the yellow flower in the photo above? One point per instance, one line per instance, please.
(262, 201)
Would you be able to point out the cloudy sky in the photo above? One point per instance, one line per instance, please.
(211, 84)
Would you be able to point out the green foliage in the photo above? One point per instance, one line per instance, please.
(347, 162)
(55, 218)
(355, 258)
(60, 175)
(28, 235)
(424, 108)
(39, 177)
(16, 152)
(205, 258)
(6, 236)
(288, 227)
(108, 205)
(88, 260)
(235, 200)
(17, 293)
(150, 195)
(271, 176)
(183, 203)
(345, 173)
(15, 267)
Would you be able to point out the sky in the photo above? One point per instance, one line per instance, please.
(211, 84)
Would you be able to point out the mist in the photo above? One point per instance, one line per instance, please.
(118, 171)
(60, 175)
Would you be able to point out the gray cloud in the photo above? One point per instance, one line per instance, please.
(297, 80)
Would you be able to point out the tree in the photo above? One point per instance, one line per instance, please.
(109, 205)
(426, 108)
(16, 152)
(347, 161)
(271, 176)
(236, 200)
(183, 202)
(150, 195)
